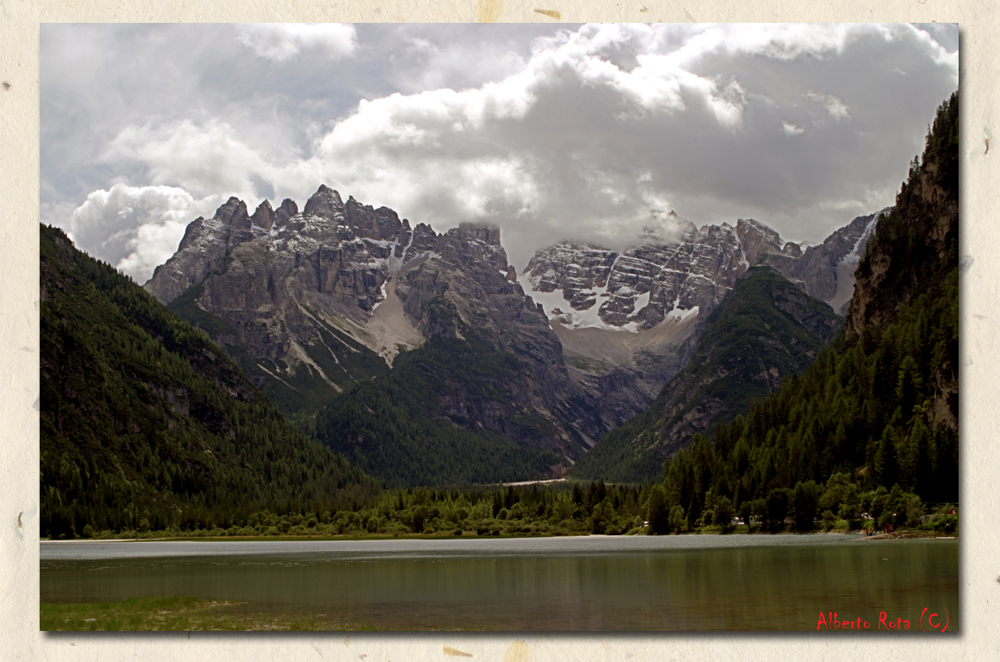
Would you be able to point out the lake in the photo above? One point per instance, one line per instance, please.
(588, 583)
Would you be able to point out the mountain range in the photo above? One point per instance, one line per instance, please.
(340, 346)
(661, 293)
(312, 303)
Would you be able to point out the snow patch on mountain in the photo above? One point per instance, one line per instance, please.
(854, 256)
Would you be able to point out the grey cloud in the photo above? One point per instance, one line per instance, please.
(588, 159)
(135, 228)
(279, 42)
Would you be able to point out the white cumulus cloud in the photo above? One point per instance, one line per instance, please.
(835, 106)
(136, 228)
(204, 159)
(792, 129)
(279, 42)
(593, 133)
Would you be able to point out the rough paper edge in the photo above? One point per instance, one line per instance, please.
(19, 196)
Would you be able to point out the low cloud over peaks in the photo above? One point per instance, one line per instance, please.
(136, 228)
(591, 132)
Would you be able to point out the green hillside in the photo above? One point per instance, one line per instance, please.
(764, 330)
(146, 424)
(877, 414)
(398, 428)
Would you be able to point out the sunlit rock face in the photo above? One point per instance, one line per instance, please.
(628, 320)
(640, 287)
(315, 300)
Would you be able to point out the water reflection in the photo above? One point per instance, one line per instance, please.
(781, 587)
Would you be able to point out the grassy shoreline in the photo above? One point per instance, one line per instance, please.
(161, 536)
(472, 535)
(185, 614)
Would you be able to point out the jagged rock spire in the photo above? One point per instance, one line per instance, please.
(287, 209)
(263, 217)
(234, 213)
(325, 203)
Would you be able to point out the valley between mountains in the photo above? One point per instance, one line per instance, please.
(341, 310)
(305, 359)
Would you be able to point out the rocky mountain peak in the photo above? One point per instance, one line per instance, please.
(325, 203)
(792, 249)
(586, 286)
(263, 275)
(263, 216)
(287, 209)
(470, 243)
(191, 234)
(757, 239)
(486, 233)
(234, 214)
(204, 246)
(422, 239)
(382, 223)
(640, 287)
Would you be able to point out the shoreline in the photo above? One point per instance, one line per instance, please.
(905, 534)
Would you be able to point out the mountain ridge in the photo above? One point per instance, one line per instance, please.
(312, 303)
(633, 317)
(764, 330)
(146, 424)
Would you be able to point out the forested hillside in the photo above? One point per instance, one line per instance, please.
(411, 426)
(878, 411)
(765, 329)
(145, 424)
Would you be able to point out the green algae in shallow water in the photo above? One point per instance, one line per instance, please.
(180, 614)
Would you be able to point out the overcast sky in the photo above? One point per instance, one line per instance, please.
(550, 131)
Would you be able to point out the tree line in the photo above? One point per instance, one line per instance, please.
(145, 424)
(876, 414)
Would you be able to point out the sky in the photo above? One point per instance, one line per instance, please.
(597, 133)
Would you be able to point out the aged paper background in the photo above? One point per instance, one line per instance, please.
(980, 315)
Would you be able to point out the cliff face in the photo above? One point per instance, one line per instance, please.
(315, 302)
(826, 271)
(629, 321)
(205, 246)
(913, 255)
(885, 278)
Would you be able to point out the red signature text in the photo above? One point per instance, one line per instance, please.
(934, 621)
(830, 621)
(930, 621)
(886, 623)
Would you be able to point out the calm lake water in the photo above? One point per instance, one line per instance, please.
(734, 582)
